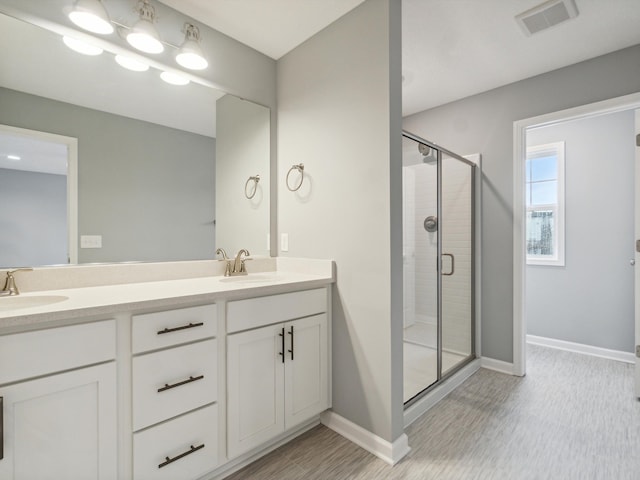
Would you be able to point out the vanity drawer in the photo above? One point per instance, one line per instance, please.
(22, 354)
(173, 381)
(151, 331)
(194, 434)
(256, 312)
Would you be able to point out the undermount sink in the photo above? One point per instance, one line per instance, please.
(251, 278)
(29, 301)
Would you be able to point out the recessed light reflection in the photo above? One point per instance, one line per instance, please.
(131, 64)
(174, 78)
(14, 157)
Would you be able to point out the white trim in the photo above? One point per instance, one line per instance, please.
(498, 366)
(476, 158)
(420, 407)
(391, 453)
(617, 355)
(72, 181)
(612, 105)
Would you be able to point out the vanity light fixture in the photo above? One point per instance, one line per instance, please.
(81, 47)
(92, 16)
(174, 78)
(131, 64)
(143, 35)
(190, 54)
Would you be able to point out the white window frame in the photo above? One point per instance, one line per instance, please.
(557, 260)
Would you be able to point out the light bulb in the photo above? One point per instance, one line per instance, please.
(144, 42)
(192, 60)
(92, 16)
(144, 36)
(190, 54)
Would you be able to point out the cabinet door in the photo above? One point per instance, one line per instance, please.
(306, 388)
(255, 387)
(61, 427)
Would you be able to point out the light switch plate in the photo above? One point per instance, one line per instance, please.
(284, 242)
(90, 241)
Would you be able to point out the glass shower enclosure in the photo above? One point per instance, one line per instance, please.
(438, 264)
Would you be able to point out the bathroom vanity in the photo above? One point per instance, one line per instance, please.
(189, 378)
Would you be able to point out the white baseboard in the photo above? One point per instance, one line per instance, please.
(626, 357)
(497, 365)
(421, 406)
(391, 453)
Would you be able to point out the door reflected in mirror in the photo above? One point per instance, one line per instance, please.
(38, 192)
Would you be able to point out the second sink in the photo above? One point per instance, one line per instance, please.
(26, 301)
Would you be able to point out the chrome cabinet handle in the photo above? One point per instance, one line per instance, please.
(183, 327)
(291, 333)
(453, 264)
(169, 460)
(184, 382)
(281, 353)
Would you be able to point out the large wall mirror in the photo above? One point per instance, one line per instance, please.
(163, 171)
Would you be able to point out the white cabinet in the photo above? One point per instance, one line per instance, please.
(305, 374)
(174, 381)
(62, 425)
(174, 393)
(183, 448)
(277, 377)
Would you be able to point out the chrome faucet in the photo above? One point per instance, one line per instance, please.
(227, 268)
(238, 265)
(10, 287)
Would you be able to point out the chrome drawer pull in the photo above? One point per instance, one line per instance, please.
(188, 452)
(184, 327)
(184, 382)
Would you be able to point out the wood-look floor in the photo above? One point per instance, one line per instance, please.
(571, 417)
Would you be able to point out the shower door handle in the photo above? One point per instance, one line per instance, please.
(453, 264)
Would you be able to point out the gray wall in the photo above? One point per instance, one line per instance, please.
(33, 218)
(484, 124)
(242, 151)
(147, 189)
(339, 114)
(590, 300)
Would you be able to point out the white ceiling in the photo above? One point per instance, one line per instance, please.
(451, 48)
(273, 27)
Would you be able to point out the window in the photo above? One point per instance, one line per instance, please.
(544, 191)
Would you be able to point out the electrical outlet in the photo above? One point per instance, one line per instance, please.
(90, 241)
(284, 242)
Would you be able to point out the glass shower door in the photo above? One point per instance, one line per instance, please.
(456, 263)
(438, 251)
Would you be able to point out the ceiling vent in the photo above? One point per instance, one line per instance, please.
(546, 15)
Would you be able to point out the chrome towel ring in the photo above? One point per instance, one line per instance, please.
(255, 179)
(299, 168)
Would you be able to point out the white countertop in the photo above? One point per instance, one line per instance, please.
(113, 299)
